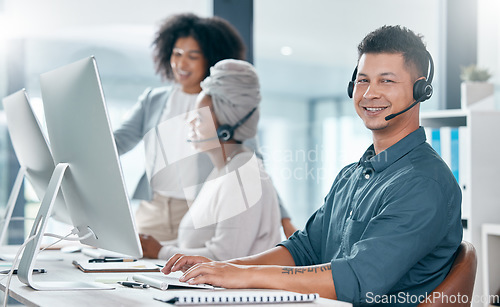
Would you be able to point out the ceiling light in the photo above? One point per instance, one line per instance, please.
(286, 50)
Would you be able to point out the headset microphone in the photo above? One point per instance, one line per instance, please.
(202, 140)
(422, 88)
(391, 116)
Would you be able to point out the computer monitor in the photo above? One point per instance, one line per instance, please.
(33, 154)
(87, 169)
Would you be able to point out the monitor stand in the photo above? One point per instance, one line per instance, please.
(27, 263)
(11, 203)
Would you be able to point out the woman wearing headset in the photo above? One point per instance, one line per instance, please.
(236, 212)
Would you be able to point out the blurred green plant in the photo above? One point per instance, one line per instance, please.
(474, 73)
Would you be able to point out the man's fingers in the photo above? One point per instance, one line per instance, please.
(169, 266)
(194, 271)
(185, 262)
(182, 262)
(185, 268)
(208, 279)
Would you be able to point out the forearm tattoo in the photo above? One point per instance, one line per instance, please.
(310, 269)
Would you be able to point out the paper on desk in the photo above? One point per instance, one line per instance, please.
(102, 253)
(136, 266)
(5, 264)
(39, 257)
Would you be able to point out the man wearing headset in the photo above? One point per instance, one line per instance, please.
(390, 226)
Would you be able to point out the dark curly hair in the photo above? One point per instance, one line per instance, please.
(217, 38)
(398, 39)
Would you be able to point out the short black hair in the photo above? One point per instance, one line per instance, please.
(398, 39)
(217, 38)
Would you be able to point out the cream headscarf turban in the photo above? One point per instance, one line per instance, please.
(235, 91)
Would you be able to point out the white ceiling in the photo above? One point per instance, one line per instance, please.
(324, 35)
(326, 31)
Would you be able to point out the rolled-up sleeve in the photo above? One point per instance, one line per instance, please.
(304, 245)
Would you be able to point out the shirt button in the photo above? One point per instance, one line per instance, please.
(367, 176)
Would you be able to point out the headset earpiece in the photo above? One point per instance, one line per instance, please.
(422, 90)
(225, 133)
(350, 86)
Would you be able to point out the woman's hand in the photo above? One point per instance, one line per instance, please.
(180, 262)
(150, 246)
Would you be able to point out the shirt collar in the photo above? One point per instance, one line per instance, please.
(381, 161)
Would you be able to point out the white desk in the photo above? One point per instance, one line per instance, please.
(121, 296)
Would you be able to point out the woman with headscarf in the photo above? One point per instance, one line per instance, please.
(236, 213)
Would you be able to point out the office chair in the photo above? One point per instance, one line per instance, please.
(460, 279)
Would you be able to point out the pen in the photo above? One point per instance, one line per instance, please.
(15, 271)
(132, 284)
(111, 260)
(168, 301)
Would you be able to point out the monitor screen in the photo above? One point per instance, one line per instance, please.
(32, 152)
(80, 134)
(87, 170)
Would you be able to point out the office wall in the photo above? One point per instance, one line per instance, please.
(489, 38)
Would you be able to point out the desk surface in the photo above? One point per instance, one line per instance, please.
(120, 296)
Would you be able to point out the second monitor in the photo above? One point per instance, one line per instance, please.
(87, 166)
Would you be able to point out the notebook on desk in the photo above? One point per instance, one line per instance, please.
(237, 297)
(114, 267)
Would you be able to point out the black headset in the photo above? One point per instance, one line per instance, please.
(422, 89)
(226, 132)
